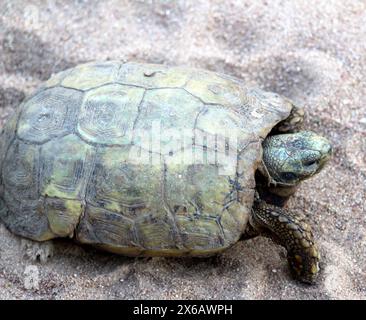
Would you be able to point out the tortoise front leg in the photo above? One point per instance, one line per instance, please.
(291, 231)
(294, 121)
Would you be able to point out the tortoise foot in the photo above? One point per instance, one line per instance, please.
(37, 251)
(292, 232)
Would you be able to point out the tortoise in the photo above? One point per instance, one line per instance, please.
(151, 160)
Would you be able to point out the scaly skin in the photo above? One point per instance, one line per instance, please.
(291, 231)
(291, 158)
(288, 159)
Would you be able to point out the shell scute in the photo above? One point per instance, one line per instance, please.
(162, 112)
(108, 114)
(100, 226)
(91, 75)
(63, 215)
(122, 184)
(66, 166)
(49, 114)
(152, 75)
(21, 170)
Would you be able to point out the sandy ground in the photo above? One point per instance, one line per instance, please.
(311, 51)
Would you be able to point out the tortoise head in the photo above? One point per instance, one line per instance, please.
(291, 158)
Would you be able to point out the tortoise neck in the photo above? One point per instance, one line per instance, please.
(275, 195)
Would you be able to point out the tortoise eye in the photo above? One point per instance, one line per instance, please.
(310, 162)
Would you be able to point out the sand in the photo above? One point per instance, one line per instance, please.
(311, 51)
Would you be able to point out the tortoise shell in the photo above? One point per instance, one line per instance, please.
(124, 156)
